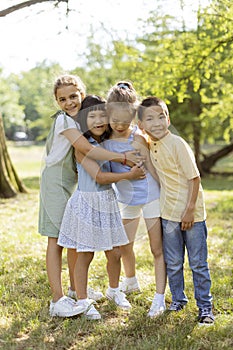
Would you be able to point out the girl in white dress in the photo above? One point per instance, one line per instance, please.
(92, 220)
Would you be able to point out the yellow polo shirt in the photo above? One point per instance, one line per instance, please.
(175, 164)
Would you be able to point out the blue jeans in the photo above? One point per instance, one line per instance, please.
(174, 242)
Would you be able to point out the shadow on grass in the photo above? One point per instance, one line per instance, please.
(217, 183)
(140, 333)
(25, 302)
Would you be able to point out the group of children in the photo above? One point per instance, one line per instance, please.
(124, 170)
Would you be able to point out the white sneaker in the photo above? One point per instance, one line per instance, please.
(156, 308)
(65, 307)
(127, 287)
(90, 312)
(91, 294)
(94, 295)
(119, 298)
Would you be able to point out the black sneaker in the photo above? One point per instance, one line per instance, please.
(175, 306)
(206, 316)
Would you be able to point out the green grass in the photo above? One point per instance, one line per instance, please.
(25, 294)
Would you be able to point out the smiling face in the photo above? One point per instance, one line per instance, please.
(97, 122)
(120, 120)
(69, 99)
(155, 122)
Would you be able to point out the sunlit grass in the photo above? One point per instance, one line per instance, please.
(25, 294)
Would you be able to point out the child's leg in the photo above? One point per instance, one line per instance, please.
(196, 244)
(156, 244)
(54, 265)
(71, 260)
(127, 252)
(174, 251)
(81, 273)
(113, 266)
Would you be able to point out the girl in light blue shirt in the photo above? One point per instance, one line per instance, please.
(138, 196)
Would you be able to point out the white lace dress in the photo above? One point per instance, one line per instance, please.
(92, 220)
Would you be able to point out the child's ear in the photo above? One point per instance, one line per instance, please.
(168, 120)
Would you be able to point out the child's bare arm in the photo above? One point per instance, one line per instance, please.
(187, 219)
(104, 178)
(81, 144)
(142, 146)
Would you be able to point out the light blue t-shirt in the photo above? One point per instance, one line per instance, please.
(134, 192)
(85, 182)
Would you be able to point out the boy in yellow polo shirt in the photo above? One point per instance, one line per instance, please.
(182, 208)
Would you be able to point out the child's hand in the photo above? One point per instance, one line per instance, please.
(137, 173)
(133, 157)
(187, 220)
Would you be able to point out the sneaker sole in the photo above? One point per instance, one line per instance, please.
(93, 317)
(158, 313)
(205, 324)
(70, 314)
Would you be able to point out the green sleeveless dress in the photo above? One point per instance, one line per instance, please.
(57, 184)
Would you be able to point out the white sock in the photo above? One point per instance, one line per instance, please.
(160, 298)
(131, 280)
(113, 290)
(82, 301)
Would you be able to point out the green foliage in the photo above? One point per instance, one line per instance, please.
(192, 65)
(10, 109)
(36, 95)
(190, 68)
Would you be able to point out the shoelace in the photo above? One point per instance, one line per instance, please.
(175, 304)
(205, 312)
(68, 301)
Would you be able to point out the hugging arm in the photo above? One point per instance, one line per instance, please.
(104, 178)
(81, 144)
(142, 146)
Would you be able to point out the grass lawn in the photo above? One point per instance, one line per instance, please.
(25, 295)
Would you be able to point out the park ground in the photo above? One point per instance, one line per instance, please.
(25, 295)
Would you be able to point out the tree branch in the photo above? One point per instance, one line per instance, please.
(24, 4)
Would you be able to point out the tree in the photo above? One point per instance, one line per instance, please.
(36, 98)
(191, 68)
(11, 111)
(10, 183)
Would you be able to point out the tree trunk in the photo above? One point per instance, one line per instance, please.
(10, 183)
(210, 161)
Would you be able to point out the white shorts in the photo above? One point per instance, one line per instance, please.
(149, 210)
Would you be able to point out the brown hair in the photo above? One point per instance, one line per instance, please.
(69, 79)
(122, 95)
(123, 91)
